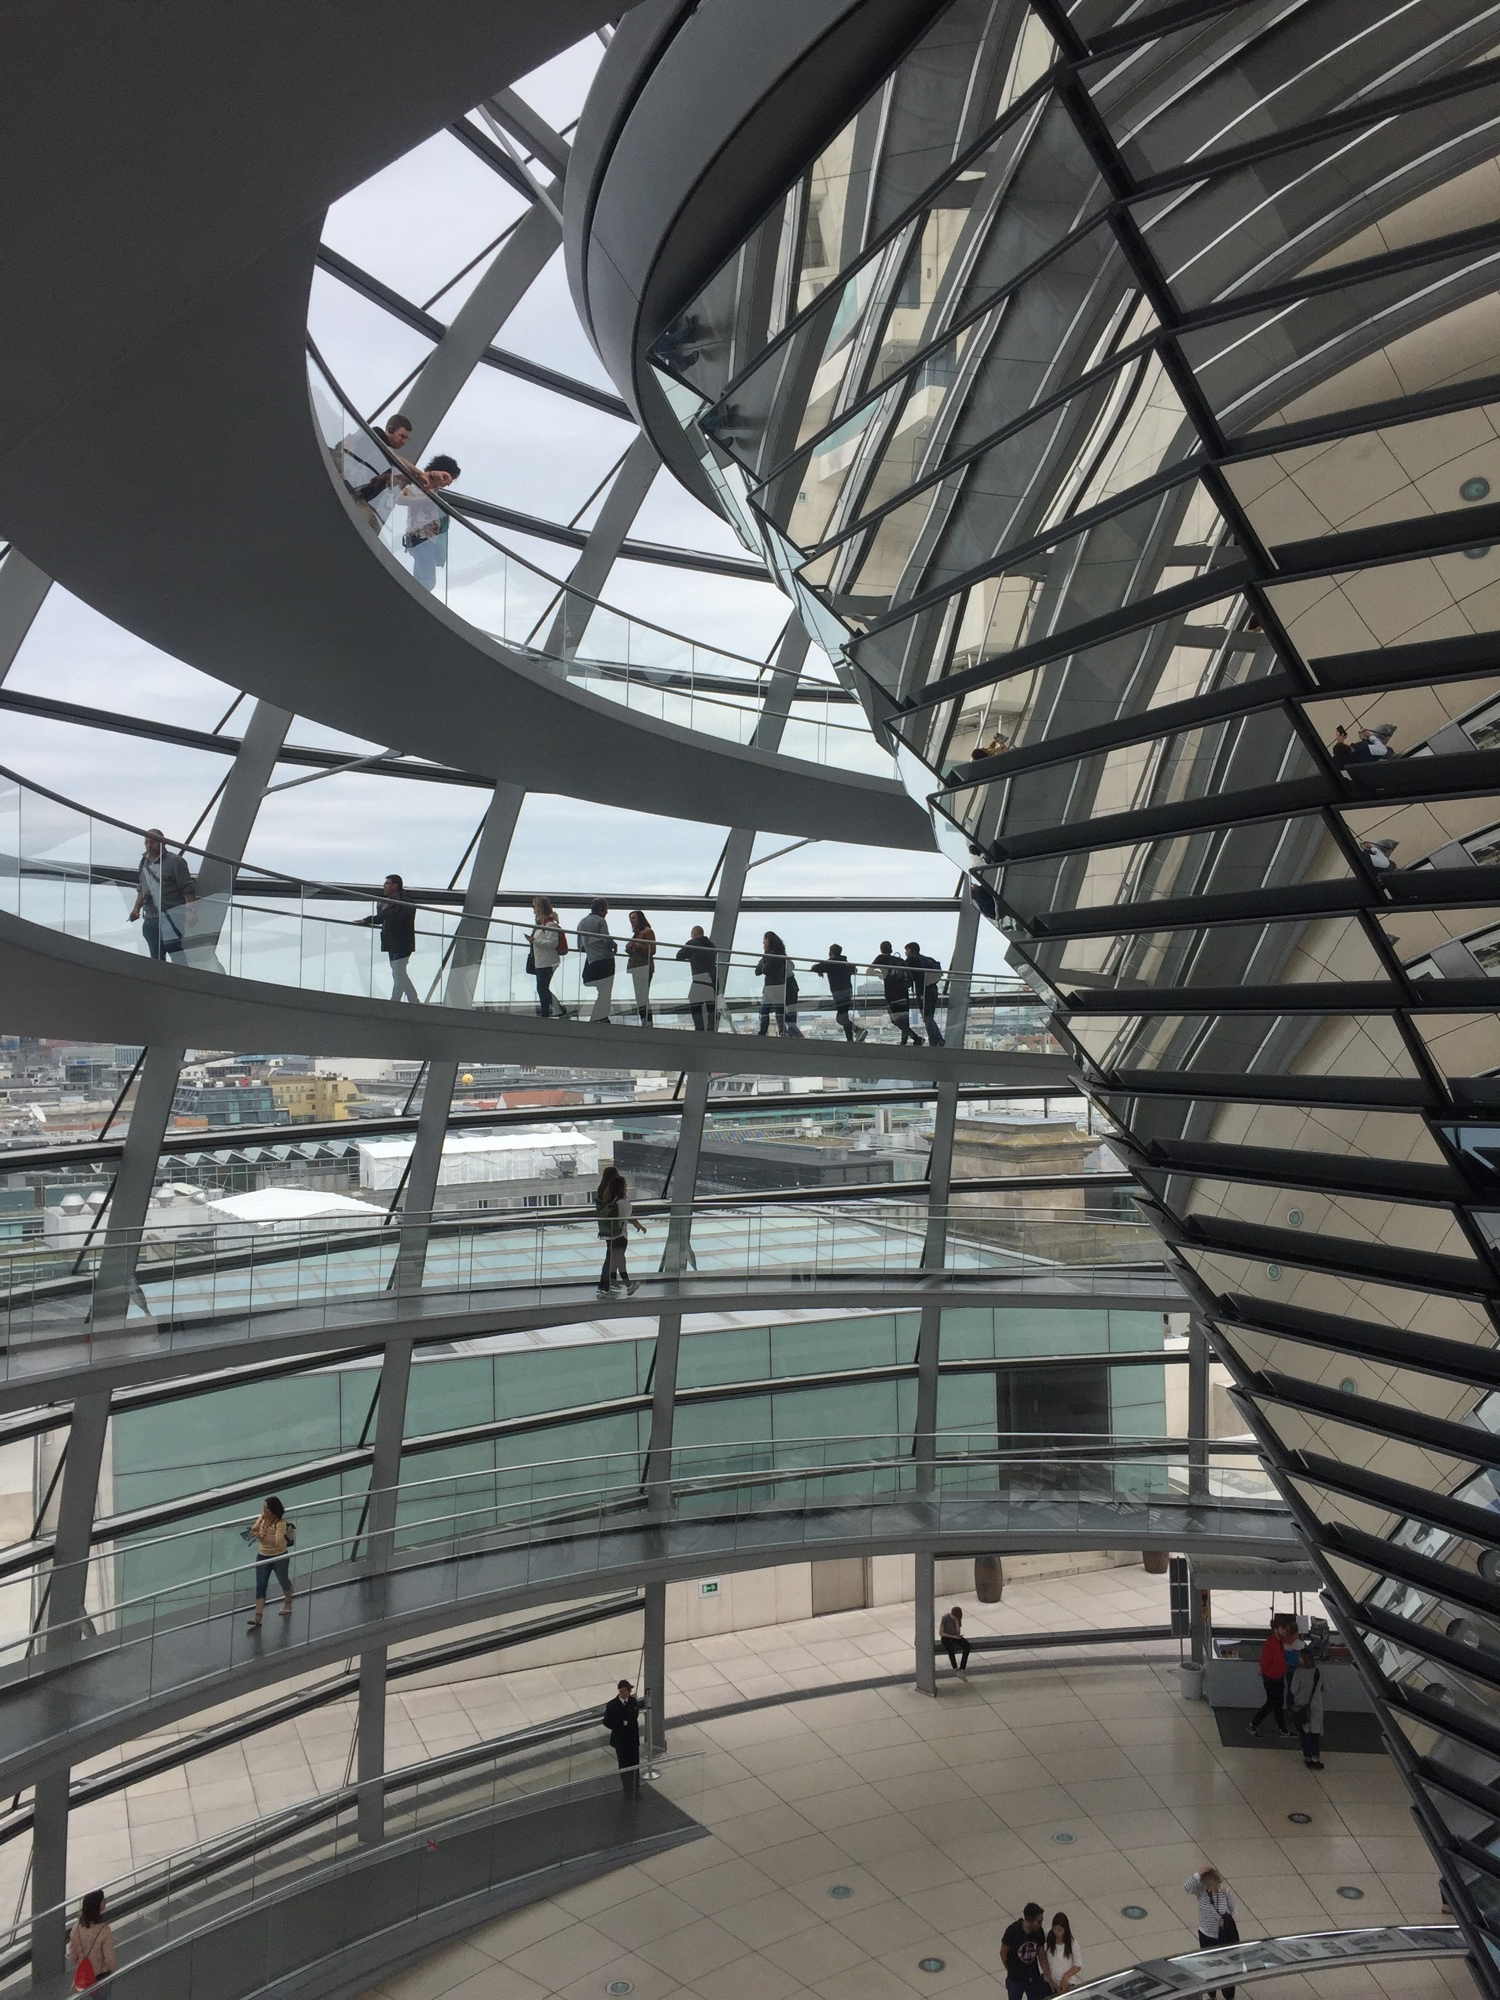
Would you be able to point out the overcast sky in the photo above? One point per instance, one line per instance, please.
(414, 226)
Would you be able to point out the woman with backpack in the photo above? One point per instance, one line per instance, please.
(546, 945)
(91, 1943)
(273, 1535)
(612, 1207)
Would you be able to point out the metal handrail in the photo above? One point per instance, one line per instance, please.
(630, 617)
(726, 958)
(563, 1507)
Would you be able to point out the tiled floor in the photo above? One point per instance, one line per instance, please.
(942, 1818)
(939, 1816)
(230, 1787)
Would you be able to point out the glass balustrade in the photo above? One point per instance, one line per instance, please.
(75, 872)
(197, 1889)
(587, 644)
(218, 1281)
(478, 1534)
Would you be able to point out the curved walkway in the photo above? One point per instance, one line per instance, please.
(57, 985)
(200, 246)
(44, 1352)
(73, 1704)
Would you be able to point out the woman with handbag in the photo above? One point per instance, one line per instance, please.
(273, 1535)
(545, 947)
(612, 1207)
(91, 1943)
(599, 950)
(1216, 1923)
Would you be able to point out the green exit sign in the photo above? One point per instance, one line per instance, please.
(708, 1589)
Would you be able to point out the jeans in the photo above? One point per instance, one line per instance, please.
(766, 1014)
(1026, 1985)
(401, 986)
(703, 1006)
(265, 1568)
(900, 1014)
(543, 978)
(954, 1648)
(1207, 1943)
(640, 979)
(162, 930)
(1312, 1745)
(426, 558)
(929, 1020)
(1274, 1704)
(841, 1015)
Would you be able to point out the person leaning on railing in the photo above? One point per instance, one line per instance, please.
(702, 958)
(369, 475)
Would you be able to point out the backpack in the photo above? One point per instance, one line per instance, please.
(84, 1975)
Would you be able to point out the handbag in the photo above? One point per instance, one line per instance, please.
(531, 961)
(1229, 1930)
(84, 1975)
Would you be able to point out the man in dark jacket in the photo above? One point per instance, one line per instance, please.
(839, 973)
(926, 978)
(622, 1718)
(895, 976)
(163, 890)
(396, 920)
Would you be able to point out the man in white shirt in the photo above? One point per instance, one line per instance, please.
(369, 474)
(426, 537)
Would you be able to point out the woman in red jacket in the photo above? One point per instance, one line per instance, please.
(1283, 1633)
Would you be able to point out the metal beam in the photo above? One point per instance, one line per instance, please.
(627, 493)
(465, 965)
(517, 265)
(22, 590)
(130, 1196)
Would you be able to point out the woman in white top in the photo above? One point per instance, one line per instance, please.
(426, 537)
(548, 944)
(1064, 1966)
(1216, 1922)
(92, 1940)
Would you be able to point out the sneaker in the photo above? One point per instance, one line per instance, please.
(632, 1286)
(1255, 1729)
(861, 1034)
(602, 1292)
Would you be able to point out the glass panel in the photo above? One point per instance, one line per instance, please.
(1320, 950)
(1224, 861)
(1343, 1132)
(1290, 1048)
(1426, 718)
(1387, 186)
(1116, 434)
(1202, 652)
(965, 245)
(1391, 604)
(1432, 1230)
(1414, 329)
(1282, 1284)
(1158, 544)
(1214, 760)
(1374, 477)
(1258, 70)
(1466, 1048)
